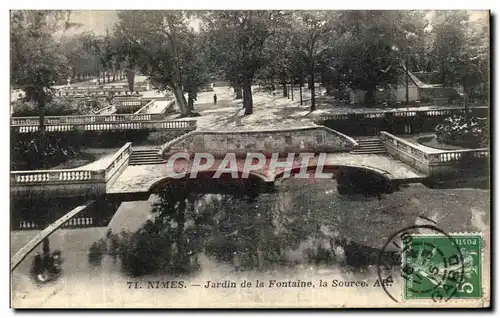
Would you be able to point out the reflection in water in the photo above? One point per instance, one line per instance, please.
(302, 230)
(46, 267)
(298, 224)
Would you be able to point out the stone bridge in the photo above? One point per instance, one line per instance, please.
(407, 162)
(119, 181)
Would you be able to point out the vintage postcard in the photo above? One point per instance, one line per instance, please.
(250, 159)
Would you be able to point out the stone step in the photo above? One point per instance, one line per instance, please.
(144, 151)
(368, 152)
(367, 140)
(371, 146)
(369, 149)
(145, 156)
(145, 162)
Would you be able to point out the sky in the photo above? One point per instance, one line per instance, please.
(99, 20)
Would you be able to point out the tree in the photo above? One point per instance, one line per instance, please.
(158, 36)
(369, 48)
(313, 29)
(36, 61)
(460, 50)
(238, 37)
(460, 53)
(195, 66)
(81, 60)
(279, 53)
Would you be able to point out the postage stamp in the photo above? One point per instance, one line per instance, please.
(438, 267)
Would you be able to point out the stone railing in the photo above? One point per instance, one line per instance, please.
(457, 155)
(105, 110)
(145, 108)
(83, 119)
(118, 161)
(81, 180)
(169, 108)
(152, 103)
(291, 140)
(405, 151)
(431, 162)
(131, 105)
(133, 102)
(100, 90)
(40, 177)
(143, 122)
(77, 95)
(410, 112)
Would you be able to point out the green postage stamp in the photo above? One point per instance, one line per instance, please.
(442, 267)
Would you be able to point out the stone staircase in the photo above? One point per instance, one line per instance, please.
(145, 157)
(369, 146)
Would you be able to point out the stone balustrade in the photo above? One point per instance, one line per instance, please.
(457, 155)
(84, 119)
(55, 177)
(118, 160)
(396, 121)
(145, 108)
(150, 122)
(410, 112)
(432, 163)
(405, 151)
(99, 90)
(73, 181)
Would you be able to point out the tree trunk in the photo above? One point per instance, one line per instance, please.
(41, 115)
(369, 96)
(291, 90)
(238, 90)
(330, 90)
(406, 82)
(313, 93)
(247, 96)
(300, 88)
(114, 74)
(190, 101)
(466, 110)
(130, 79)
(180, 101)
(109, 76)
(285, 90)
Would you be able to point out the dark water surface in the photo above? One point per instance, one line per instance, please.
(302, 230)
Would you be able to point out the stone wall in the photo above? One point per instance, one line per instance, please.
(283, 141)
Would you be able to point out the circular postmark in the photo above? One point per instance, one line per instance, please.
(431, 264)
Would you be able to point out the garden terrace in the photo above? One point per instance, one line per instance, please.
(70, 182)
(436, 163)
(404, 121)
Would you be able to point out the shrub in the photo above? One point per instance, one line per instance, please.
(455, 131)
(34, 151)
(60, 106)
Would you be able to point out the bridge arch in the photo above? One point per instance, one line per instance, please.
(204, 182)
(352, 178)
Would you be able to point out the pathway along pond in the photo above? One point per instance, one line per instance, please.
(303, 230)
